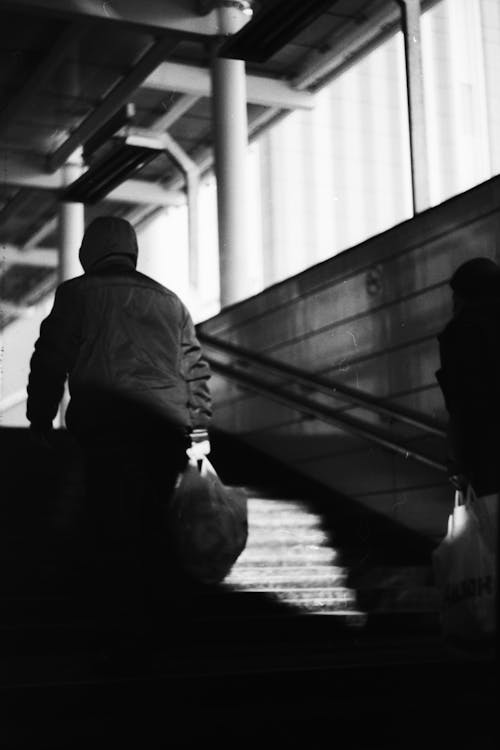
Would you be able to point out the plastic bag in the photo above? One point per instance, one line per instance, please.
(465, 570)
(208, 523)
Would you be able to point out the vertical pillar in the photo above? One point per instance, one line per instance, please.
(71, 228)
(410, 16)
(192, 174)
(231, 141)
(193, 180)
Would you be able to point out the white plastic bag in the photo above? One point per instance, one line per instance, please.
(465, 570)
(208, 523)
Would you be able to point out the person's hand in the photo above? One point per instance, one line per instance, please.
(459, 481)
(41, 436)
(200, 445)
(455, 471)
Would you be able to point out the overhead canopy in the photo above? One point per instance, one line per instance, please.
(67, 67)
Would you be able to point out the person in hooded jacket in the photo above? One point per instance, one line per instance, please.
(139, 398)
(469, 376)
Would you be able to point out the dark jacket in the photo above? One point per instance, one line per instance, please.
(469, 378)
(126, 343)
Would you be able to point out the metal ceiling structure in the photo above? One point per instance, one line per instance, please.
(67, 67)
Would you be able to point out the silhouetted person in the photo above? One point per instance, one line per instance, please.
(470, 381)
(139, 397)
(469, 376)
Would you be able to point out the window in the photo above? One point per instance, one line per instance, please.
(461, 63)
(340, 173)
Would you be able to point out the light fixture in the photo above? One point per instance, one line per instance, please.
(120, 119)
(107, 173)
(125, 154)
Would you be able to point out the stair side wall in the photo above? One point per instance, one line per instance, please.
(369, 318)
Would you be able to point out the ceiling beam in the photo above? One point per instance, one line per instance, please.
(21, 173)
(42, 72)
(138, 216)
(18, 397)
(178, 16)
(25, 306)
(45, 231)
(141, 215)
(204, 158)
(41, 256)
(16, 203)
(179, 108)
(342, 51)
(381, 20)
(150, 193)
(196, 81)
(118, 96)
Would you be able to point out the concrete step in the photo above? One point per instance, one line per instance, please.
(290, 560)
(300, 576)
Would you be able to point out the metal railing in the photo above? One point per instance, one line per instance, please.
(295, 376)
(13, 400)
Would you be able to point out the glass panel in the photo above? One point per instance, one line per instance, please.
(164, 253)
(206, 302)
(490, 27)
(340, 173)
(461, 61)
(164, 245)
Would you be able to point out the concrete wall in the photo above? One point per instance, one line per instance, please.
(369, 318)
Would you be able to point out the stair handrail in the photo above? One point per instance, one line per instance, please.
(324, 413)
(326, 385)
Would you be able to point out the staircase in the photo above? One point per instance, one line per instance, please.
(317, 634)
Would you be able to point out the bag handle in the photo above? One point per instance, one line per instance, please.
(207, 468)
(470, 495)
(203, 466)
(465, 497)
(459, 499)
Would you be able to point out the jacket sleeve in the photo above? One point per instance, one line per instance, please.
(196, 372)
(464, 380)
(54, 355)
(465, 371)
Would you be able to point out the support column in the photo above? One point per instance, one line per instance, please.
(410, 17)
(193, 182)
(192, 175)
(71, 228)
(231, 141)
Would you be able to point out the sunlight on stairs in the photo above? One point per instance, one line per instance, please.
(290, 558)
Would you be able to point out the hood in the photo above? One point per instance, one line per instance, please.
(108, 236)
(477, 280)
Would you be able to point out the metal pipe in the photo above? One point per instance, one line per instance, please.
(155, 55)
(193, 183)
(323, 413)
(326, 385)
(231, 141)
(71, 228)
(230, 118)
(410, 19)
